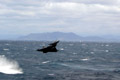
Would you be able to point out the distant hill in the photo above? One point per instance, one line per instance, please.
(59, 36)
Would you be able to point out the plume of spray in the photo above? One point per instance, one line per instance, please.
(8, 66)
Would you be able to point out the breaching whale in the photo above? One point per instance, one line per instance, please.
(50, 48)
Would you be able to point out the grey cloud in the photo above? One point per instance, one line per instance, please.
(81, 16)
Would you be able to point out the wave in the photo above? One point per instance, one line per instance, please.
(45, 62)
(6, 49)
(62, 49)
(85, 59)
(8, 66)
(90, 67)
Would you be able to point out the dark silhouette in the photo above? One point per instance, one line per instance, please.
(50, 48)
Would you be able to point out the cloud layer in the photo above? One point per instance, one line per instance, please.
(88, 17)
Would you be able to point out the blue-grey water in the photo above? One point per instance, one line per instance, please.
(19, 60)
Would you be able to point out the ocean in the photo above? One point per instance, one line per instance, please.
(19, 60)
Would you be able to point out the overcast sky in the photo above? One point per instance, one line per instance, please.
(84, 17)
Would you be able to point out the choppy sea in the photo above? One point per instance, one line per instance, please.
(19, 60)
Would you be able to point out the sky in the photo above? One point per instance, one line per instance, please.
(83, 17)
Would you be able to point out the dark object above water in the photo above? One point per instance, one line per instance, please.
(50, 48)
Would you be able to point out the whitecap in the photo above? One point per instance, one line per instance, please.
(74, 53)
(25, 49)
(106, 50)
(64, 64)
(107, 45)
(7, 44)
(45, 62)
(92, 52)
(85, 59)
(9, 66)
(6, 49)
(62, 49)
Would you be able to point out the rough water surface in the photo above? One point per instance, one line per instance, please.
(19, 60)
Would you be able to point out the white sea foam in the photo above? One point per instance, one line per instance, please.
(6, 49)
(92, 52)
(106, 50)
(45, 62)
(7, 44)
(74, 53)
(9, 66)
(85, 59)
(24, 48)
(107, 45)
(62, 49)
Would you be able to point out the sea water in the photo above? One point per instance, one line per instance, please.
(19, 60)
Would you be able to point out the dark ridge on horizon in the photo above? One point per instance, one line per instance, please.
(62, 36)
(50, 36)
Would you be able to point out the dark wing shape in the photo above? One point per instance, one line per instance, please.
(54, 43)
(50, 48)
